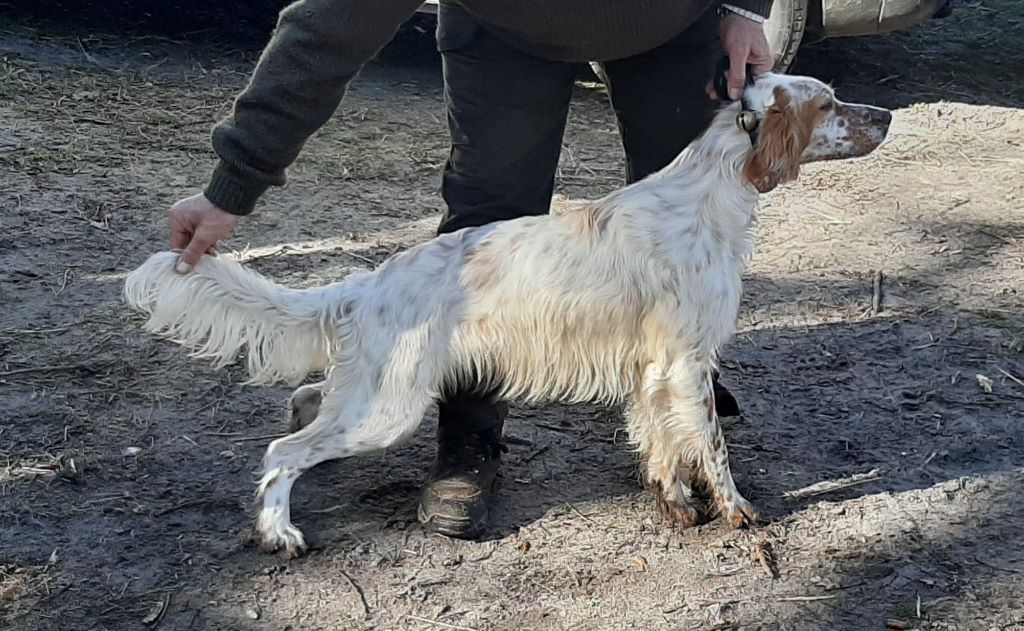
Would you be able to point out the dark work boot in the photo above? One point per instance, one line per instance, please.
(454, 499)
(725, 403)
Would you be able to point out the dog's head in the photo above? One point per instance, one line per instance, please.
(799, 120)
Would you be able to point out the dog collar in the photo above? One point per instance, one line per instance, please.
(747, 119)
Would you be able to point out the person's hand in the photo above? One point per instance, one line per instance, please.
(744, 42)
(197, 226)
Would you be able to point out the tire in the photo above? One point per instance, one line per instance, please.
(785, 30)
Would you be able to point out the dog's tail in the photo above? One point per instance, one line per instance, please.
(221, 307)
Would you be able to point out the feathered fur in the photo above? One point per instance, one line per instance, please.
(625, 299)
(222, 308)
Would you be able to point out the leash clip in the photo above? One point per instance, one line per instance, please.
(747, 119)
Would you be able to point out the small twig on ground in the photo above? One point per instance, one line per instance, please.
(157, 613)
(1011, 570)
(359, 590)
(543, 586)
(329, 509)
(763, 554)
(753, 448)
(267, 437)
(364, 259)
(536, 453)
(187, 504)
(554, 428)
(59, 329)
(259, 257)
(806, 599)
(575, 510)
(829, 486)
(1013, 378)
(830, 218)
(439, 623)
(850, 586)
(876, 296)
(85, 54)
(1007, 240)
(21, 371)
(483, 557)
(511, 439)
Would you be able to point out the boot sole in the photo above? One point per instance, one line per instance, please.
(452, 527)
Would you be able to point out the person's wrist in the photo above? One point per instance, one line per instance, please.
(232, 191)
(726, 10)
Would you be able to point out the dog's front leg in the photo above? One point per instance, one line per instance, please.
(677, 429)
(665, 474)
(712, 458)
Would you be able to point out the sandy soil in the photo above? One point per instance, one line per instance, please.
(127, 469)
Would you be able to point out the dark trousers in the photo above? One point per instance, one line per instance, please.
(507, 112)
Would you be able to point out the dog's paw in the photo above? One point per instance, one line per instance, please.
(274, 535)
(681, 514)
(678, 507)
(740, 513)
(289, 542)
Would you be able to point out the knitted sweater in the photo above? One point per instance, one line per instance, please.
(320, 45)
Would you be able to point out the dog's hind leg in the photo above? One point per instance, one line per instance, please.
(342, 428)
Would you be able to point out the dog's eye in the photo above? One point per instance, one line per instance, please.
(827, 106)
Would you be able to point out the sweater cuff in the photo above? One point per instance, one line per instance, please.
(760, 7)
(232, 191)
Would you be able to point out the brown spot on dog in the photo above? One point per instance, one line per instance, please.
(661, 401)
(783, 137)
(481, 269)
(484, 325)
(591, 221)
(867, 128)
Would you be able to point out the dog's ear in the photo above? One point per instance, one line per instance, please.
(782, 138)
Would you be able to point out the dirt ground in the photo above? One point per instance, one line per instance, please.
(127, 469)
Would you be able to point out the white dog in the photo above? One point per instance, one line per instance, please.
(625, 299)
